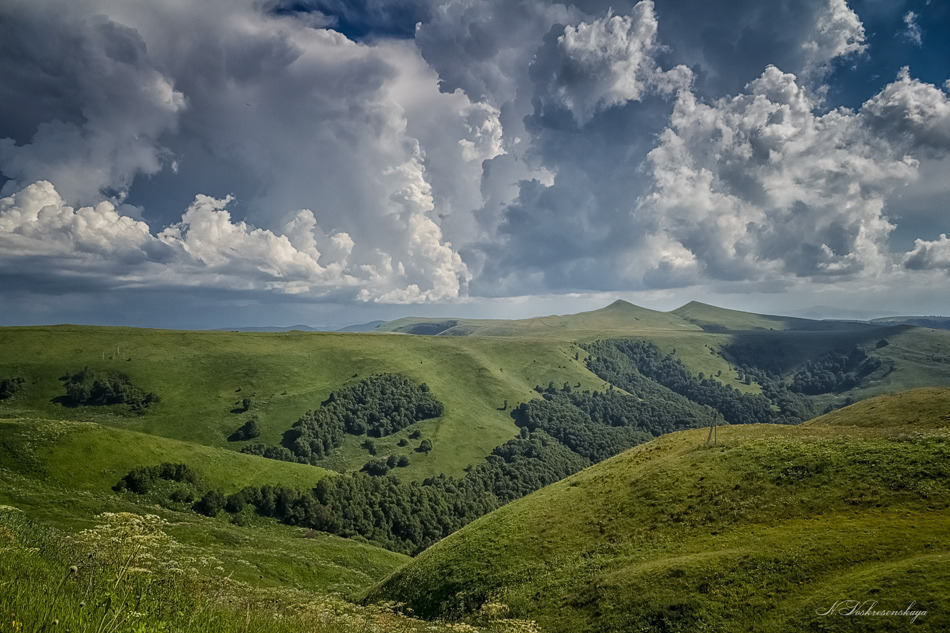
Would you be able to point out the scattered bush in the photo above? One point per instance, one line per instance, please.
(376, 467)
(142, 479)
(10, 386)
(270, 452)
(248, 431)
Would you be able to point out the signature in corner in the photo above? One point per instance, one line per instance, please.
(869, 608)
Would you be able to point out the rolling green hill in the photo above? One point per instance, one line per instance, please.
(915, 410)
(89, 456)
(62, 472)
(671, 533)
(716, 319)
(761, 532)
(202, 378)
(474, 367)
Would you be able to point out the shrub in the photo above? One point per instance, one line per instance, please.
(10, 386)
(210, 504)
(247, 431)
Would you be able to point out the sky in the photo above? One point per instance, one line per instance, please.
(233, 163)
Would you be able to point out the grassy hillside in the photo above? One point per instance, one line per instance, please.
(202, 377)
(713, 318)
(760, 532)
(61, 473)
(89, 456)
(672, 534)
(916, 410)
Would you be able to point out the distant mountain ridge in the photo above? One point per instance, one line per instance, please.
(622, 316)
(358, 327)
(618, 315)
(933, 322)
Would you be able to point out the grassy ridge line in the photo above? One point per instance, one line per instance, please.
(915, 410)
(89, 456)
(618, 319)
(674, 536)
(714, 317)
(202, 376)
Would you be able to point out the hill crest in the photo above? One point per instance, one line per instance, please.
(621, 318)
(672, 534)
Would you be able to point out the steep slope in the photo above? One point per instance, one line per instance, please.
(763, 531)
(61, 473)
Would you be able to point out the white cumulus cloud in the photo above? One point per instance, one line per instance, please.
(764, 186)
(610, 61)
(207, 248)
(36, 221)
(838, 32)
(929, 254)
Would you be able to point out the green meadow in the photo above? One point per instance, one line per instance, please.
(758, 531)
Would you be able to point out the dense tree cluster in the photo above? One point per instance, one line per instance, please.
(630, 364)
(525, 464)
(99, 388)
(382, 405)
(9, 386)
(377, 406)
(599, 425)
(792, 407)
(403, 516)
(836, 371)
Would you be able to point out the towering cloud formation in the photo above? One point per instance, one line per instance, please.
(760, 185)
(430, 152)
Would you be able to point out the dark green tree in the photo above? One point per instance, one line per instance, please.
(211, 503)
(247, 431)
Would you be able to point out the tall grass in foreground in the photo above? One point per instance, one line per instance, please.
(126, 575)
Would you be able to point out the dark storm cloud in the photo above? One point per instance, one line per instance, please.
(82, 104)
